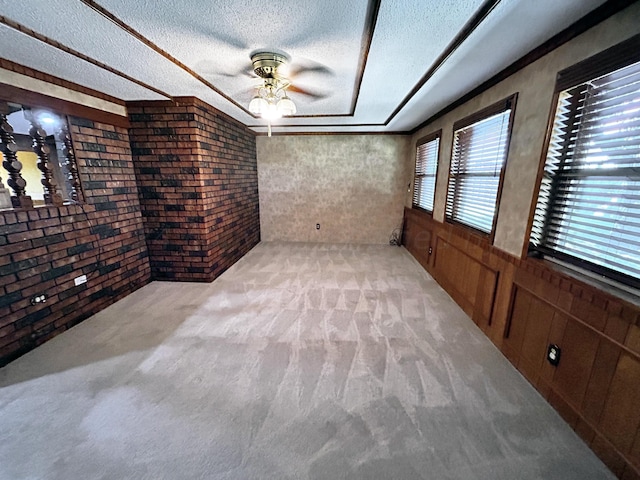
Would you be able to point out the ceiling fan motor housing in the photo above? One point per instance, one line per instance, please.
(265, 64)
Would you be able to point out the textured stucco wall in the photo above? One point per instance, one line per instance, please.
(354, 186)
(534, 85)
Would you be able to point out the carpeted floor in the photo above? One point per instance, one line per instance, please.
(302, 361)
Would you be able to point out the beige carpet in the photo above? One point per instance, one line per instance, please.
(302, 361)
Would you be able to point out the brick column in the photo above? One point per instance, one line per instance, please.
(197, 177)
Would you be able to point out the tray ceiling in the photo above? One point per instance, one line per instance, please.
(378, 65)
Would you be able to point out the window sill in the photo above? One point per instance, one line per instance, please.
(599, 282)
(39, 206)
(422, 210)
(471, 232)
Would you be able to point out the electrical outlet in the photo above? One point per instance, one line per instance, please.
(553, 354)
(42, 298)
(317, 226)
(80, 280)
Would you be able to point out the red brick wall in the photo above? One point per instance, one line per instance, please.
(197, 175)
(43, 250)
(230, 187)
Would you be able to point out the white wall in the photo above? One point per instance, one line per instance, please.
(535, 85)
(354, 186)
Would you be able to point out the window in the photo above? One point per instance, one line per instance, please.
(480, 145)
(588, 208)
(424, 184)
(39, 162)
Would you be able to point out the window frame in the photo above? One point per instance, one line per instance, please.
(607, 61)
(476, 117)
(437, 135)
(57, 171)
(61, 174)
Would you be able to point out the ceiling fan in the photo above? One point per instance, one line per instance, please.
(271, 100)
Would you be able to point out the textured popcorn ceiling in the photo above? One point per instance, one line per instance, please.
(214, 39)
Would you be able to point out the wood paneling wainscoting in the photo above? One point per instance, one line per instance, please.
(523, 305)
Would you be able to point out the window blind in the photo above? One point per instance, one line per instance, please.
(424, 184)
(478, 157)
(588, 209)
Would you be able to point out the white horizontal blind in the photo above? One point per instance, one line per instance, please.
(424, 184)
(479, 153)
(589, 203)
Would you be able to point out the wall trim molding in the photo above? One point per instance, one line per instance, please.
(10, 93)
(590, 20)
(42, 87)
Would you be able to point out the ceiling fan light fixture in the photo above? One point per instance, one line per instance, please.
(271, 112)
(258, 105)
(286, 106)
(271, 101)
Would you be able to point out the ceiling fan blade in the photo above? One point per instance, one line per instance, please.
(244, 73)
(305, 91)
(297, 70)
(208, 69)
(208, 29)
